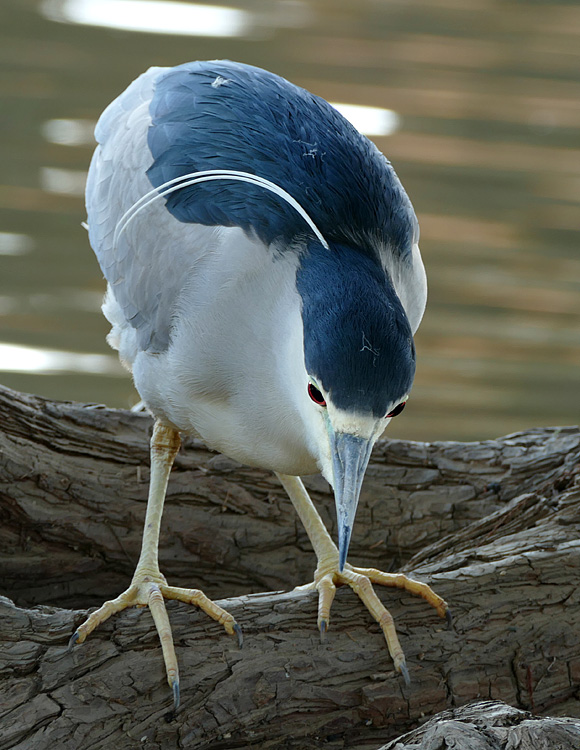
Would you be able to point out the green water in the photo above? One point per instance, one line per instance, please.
(488, 148)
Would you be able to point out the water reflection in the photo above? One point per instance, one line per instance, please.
(62, 181)
(152, 16)
(68, 132)
(27, 359)
(370, 120)
(485, 139)
(12, 243)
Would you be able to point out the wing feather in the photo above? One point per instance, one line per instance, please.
(155, 245)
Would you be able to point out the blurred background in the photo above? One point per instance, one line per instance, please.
(475, 102)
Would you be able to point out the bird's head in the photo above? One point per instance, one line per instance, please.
(359, 359)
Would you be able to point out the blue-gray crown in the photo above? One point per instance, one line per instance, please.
(357, 340)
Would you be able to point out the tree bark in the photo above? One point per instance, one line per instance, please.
(492, 526)
(490, 725)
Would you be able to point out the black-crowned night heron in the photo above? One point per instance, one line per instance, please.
(264, 285)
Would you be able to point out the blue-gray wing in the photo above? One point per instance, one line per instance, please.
(145, 260)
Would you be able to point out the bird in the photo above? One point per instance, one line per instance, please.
(264, 284)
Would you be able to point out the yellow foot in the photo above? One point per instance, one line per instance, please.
(328, 577)
(150, 590)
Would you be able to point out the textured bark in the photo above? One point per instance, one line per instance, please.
(492, 526)
(490, 725)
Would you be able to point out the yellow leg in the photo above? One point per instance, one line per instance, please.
(327, 576)
(149, 587)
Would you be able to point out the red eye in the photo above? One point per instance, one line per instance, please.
(315, 395)
(397, 410)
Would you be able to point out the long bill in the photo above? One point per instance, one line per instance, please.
(350, 456)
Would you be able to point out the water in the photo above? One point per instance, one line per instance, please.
(484, 116)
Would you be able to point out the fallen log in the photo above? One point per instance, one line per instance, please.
(492, 526)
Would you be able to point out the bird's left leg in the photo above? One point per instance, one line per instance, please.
(327, 575)
(149, 587)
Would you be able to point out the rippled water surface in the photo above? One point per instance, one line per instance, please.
(482, 126)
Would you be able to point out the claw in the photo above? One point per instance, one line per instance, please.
(238, 632)
(73, 641)
(449, 620)
(404, 672)
(332, 570)
(176, 696)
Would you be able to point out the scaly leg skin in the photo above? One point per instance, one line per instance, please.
(149, 587)
(327, 576)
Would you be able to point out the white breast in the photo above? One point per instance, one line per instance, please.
(236, 357)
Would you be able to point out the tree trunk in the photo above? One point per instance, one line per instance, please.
(492, 526)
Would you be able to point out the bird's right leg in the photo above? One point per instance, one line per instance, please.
(327, 575)
(149, 587)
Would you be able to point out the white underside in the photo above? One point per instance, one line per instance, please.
(234, 359)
